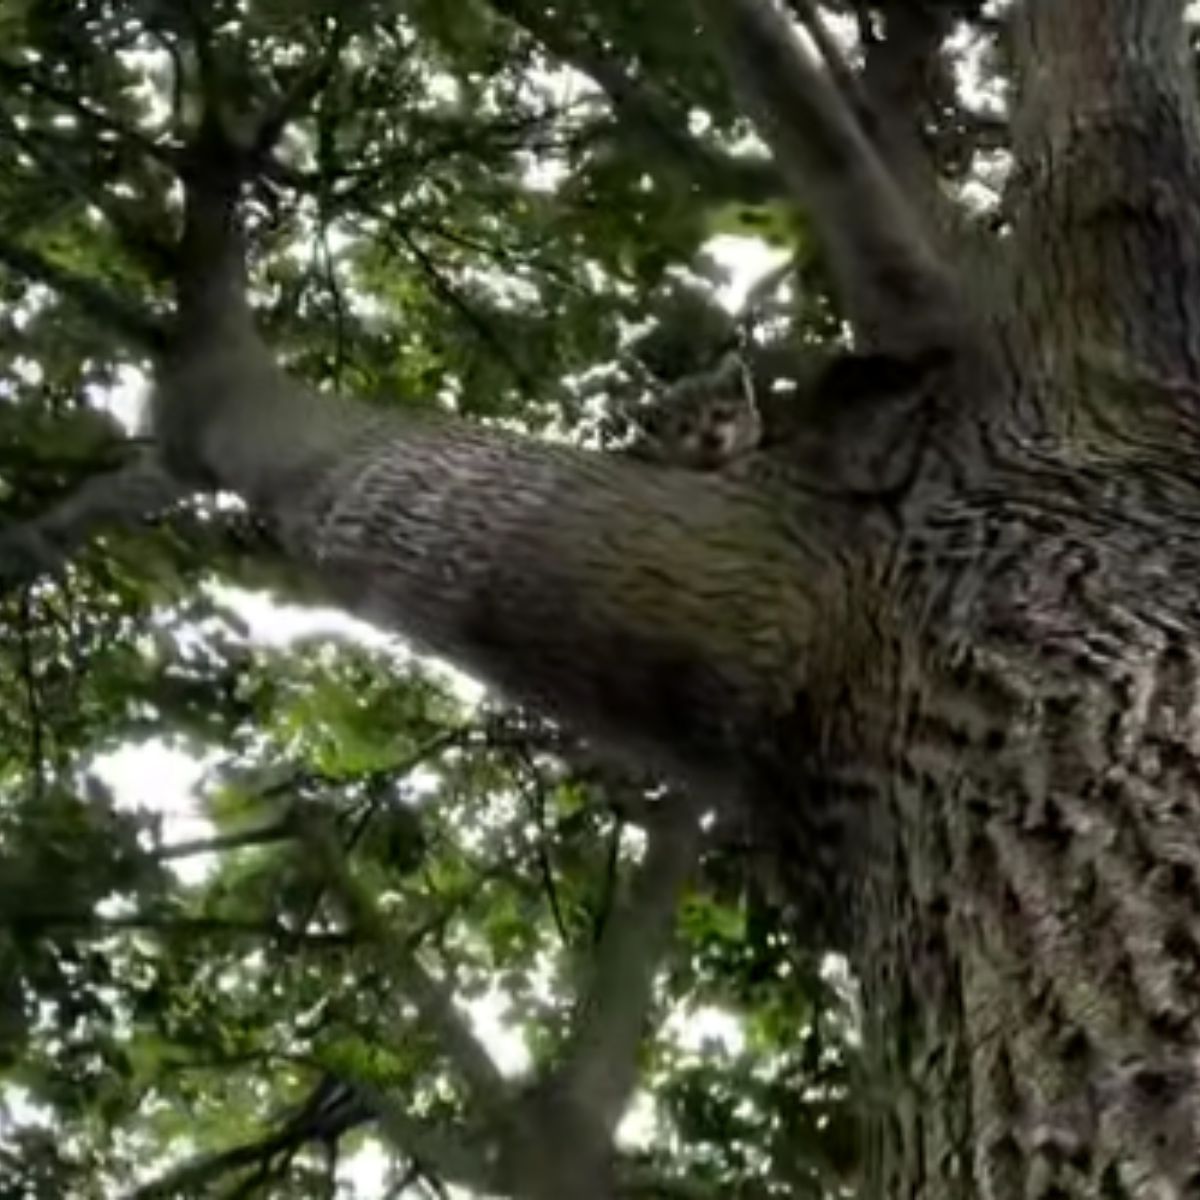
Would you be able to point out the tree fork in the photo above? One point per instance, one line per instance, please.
(897, 293)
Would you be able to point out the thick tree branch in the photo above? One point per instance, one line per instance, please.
(103, 305)
(899, 75)
(646, 114)
(584, 582)
(897, 293)
(840, 71)
(601, 1067)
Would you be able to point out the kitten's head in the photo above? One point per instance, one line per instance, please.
(705, 421)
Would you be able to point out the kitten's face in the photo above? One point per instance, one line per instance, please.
(703, 431)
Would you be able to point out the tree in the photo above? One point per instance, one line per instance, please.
(932, 643)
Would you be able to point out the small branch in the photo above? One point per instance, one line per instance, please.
(194, 1176)
(375, 781)
(433, 999)
(537, 798)
(444, 288)
(749, 314)
(300, 96)
(431, 748)
(326, 158)
(103, 305)
(340, 324)
(514, 263)
(33, 704)
(17, 78)
(332, 1110)
(601, 1067)
(647, 114)
(265, 835)
(130, 493)
(151, 252)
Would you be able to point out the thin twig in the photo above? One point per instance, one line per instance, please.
(444, 288)
(102, 304)
(537, 798)
(277, 831)
(648, 114)
(33, 705)
(309, 84)
(432, 998)
(150, 251)
(22, 77)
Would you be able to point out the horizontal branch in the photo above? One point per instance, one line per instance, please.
(665, 612)
(264, 835)
(175, 926)
(373, 502)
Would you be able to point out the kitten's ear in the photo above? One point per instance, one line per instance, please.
(733, 373)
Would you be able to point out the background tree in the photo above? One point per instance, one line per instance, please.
(930, 648)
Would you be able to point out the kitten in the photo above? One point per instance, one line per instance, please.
(703, 421)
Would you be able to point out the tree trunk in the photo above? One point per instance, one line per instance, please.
(947, 657)
(1027, 930)
(1026, 927)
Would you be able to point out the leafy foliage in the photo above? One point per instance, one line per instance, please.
(462, 220)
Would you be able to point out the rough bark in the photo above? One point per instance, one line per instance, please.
(1107, 147)
(973, 684)
(1026, 919)
(1027, 931)
(949, 657)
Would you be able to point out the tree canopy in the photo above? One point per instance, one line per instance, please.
(810, 783)
(493, 209)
